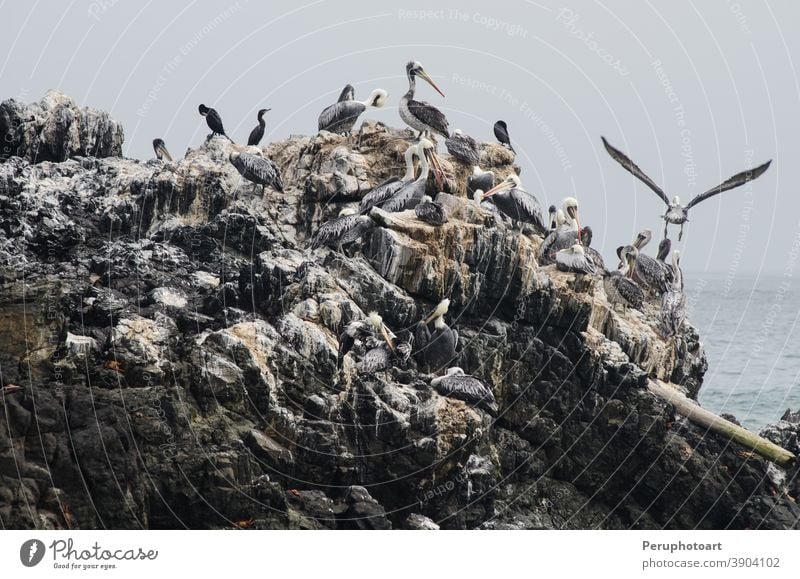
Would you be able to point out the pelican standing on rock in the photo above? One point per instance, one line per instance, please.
(258, 132)
(410, 195)
(419, 115)
(436, 349)
(258, 170)
(430, 212)
(380, 357)
(676, 213)
(214, 121)
(619, 287)
(673, 301)
(391, 186)
(342, 115)
(564, 235)
(161, 150)
(501, 133)
(348, 227)
(516, 203)
(574, 260)
(464, 148)
(594, 255)
(456, 384)
(653, 273)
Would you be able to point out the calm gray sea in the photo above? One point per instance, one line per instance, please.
(749, 327)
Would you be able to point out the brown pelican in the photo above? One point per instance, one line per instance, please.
(161, 150)
(456, 384)
(341, 116)
(430, 212)
(258, 170)
(650, 272)
(410, 194)
(673, 301)
(436, 349)
(464, 148)
(382, 357)
(564, 235)
(676, 213)
(420, 115)
(355, 331)
(594, 255)
(258, 132)
(619, 287)
(350, 226)
(515, 202)
(214, 121)
(348, 93)
(501, 132)
(389, 187)
(480, 179)
(574, 259)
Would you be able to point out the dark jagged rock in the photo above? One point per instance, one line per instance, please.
(175, 344)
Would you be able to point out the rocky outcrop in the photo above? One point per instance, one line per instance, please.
(55, 129)
(169, 353)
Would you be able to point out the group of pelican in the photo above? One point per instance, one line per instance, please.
(638, 279)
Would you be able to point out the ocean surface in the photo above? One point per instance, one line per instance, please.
(749, 328)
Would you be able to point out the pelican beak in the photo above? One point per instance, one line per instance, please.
(424, 75)
(573, 212)
(438, 173)
(431, 317)
(387, 337)
(504, 185)
(631, 261)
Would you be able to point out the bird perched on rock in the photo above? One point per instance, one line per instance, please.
(348, 227)
(355, 331)
(480, 179)
(464, 148)
(501, 133)
(161, 150)
(214, 121)
(341, 116)
(430, 212)
(650, 273)
(594, 255)
(676, 213)
(673, 301)
(565, 233)
(419, 115)
(436, 349)
(516, 203)
(456, 384)
(348, 93)
(258, 132)
(388, 188)
(619, 287)
(574, 259)
(382, 356)
(258, 170)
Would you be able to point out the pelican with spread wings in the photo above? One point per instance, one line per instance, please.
(676, 213)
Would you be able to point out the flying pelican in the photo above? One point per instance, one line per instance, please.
(436, 349)
(464, 148)
(673, 301)
(456, 384)
(161, 150)
(501, 132)
(574, 259)
(619, 287)
(594, 255)
(651, 272)
(258, 133)
(410, 194)
(348, 93)
(389, 187)
(357, 330)
(676, 213)
(258, 170)
(420, 115)
(565, 234)
(515, 202)
(430, 212)
(480, 179)
(342, 115)
(214, 121)
(350, 226)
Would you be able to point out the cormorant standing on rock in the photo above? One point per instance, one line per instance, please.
(258, 133)
(501, 132)
(214, 121)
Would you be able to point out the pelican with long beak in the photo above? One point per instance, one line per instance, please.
(377, 322)
(437, 348)
(410, 195)
(516, 203)
(341, 116)
(419, 115)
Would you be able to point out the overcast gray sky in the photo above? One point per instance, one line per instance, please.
(693, 91)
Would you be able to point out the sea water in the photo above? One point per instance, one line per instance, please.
(750, 331)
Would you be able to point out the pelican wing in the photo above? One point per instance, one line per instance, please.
(567, 260)
(431, 116)
(340, 116)
(376, 360)
(529, 206)
(259, 170)
(466, 388)
(402, 195)
(464, 148)
(634, 170)
(332, 231)
(380, 193)
(736, 181)
(348, 93)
